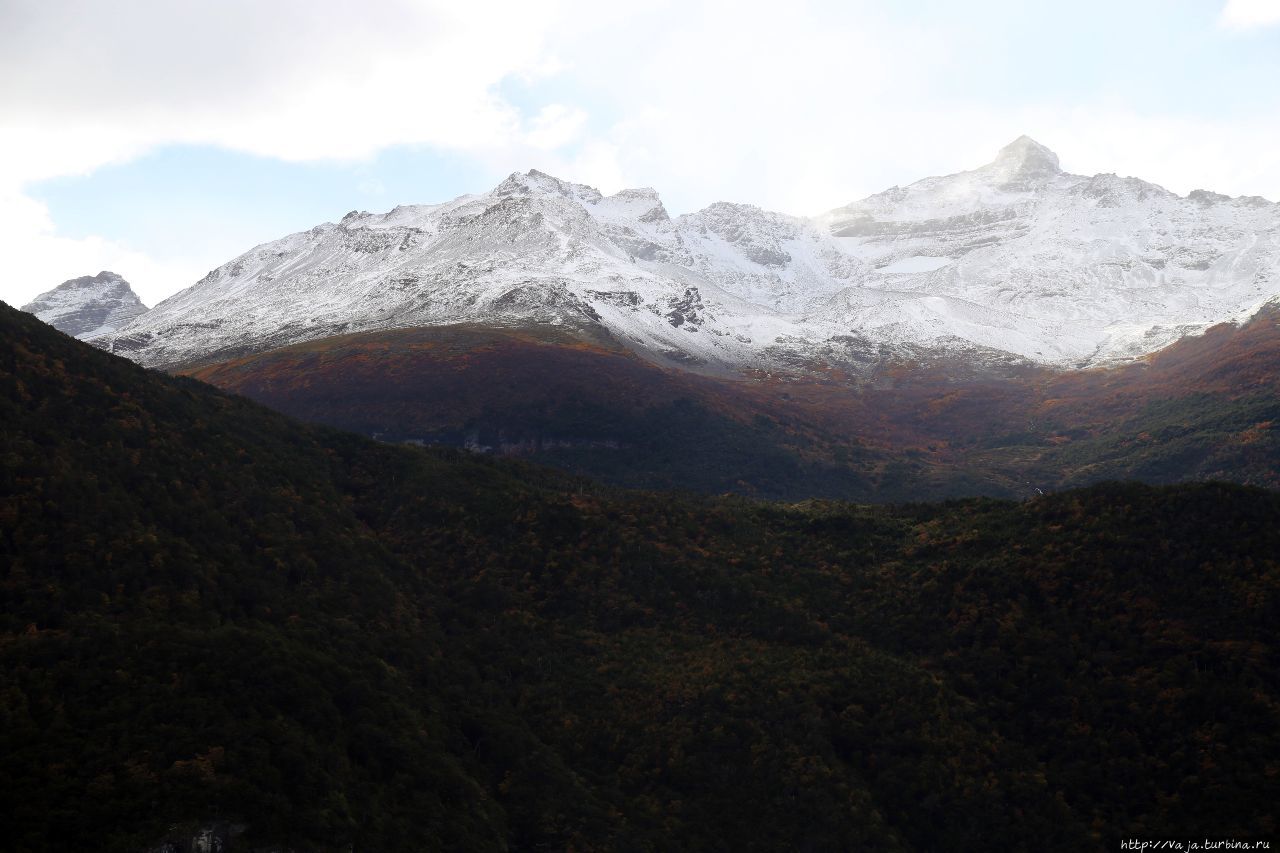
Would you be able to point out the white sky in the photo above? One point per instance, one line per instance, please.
(1247, 14)
(797, 106)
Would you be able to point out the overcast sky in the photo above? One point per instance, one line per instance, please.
(161, 138)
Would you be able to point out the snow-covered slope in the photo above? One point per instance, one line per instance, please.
(1014, 260)
(89, 306)
(1062, 268)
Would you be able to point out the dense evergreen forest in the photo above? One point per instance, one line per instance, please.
(209, 611)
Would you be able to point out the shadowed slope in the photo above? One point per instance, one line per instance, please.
(547, 394)
(1203, 408)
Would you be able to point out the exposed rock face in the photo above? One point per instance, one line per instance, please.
(1015, 260)
(89, 306)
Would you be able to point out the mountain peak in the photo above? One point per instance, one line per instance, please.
(1025, 149)
(1024, 159)
(88, 306)
(536, 182)
(106, 279)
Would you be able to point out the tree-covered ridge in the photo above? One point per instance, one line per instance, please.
(212, 611)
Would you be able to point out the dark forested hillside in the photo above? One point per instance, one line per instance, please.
(210, 612)
(548, 394)
(1205, 408)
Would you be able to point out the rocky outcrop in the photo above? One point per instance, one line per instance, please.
(89, 306)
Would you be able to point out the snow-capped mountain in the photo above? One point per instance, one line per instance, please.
(89, 306)
(1060, 268)
(1013, 260)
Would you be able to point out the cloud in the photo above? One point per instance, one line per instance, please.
(829, 103)
(36, 258)
(714, 100)
(555, 126)
(1250, 14)
(88, 84)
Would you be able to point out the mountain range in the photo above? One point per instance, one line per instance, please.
(1003, 331)
(1015, 262)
